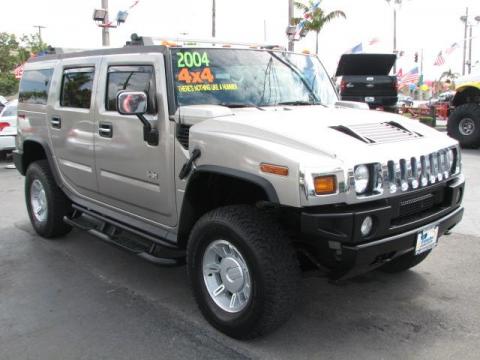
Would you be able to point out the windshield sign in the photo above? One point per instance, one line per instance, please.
(238, 77)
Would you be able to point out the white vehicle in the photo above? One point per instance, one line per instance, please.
(240, 161)
(8, 127)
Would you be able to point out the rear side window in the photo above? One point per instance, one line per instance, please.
(34, 86)
(130, 78)
(77, 87)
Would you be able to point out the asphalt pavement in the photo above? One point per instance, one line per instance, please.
(79, 298)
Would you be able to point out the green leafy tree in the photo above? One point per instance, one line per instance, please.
(318, 20)
(9, 47)
(14, 52)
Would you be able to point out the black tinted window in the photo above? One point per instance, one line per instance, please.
(77, 87)
(34, 86)
(131, 78)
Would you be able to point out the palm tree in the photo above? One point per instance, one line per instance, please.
(318, 19)
(449, 75)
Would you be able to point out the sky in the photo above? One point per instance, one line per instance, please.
(431, 25)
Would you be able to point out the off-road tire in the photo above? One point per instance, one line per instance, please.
(404, 262)
(272, 263)
(471, 111)
(58, 204)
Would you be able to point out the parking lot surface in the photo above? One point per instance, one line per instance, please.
(78, 298)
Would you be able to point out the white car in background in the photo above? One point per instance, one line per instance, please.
(8, 128)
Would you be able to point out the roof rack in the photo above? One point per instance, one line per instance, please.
(183, 41)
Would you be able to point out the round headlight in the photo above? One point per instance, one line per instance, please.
(362, 177)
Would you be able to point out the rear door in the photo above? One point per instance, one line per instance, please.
(71, 122)
(134, 176)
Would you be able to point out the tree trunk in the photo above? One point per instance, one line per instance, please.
(316, 42)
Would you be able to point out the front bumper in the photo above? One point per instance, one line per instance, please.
(334, 235)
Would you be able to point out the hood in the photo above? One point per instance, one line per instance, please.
(353, 136)
(365, 64)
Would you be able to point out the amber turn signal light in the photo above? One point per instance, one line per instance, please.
(325, 185)
(274, 169)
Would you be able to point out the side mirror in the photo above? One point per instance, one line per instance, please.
(135, 103)
(132, 103)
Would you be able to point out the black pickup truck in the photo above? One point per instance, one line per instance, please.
(365, 78)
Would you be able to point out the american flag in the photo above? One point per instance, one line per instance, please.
(410, 78)
(440, 60)
(452, 48)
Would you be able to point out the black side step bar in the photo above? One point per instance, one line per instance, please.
(155, 250)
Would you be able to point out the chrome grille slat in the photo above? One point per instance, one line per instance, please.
(403, 175)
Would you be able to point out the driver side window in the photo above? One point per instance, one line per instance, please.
(130, 78)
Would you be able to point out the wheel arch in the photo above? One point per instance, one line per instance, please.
(34, 150)
(468, 93)
(231, 187)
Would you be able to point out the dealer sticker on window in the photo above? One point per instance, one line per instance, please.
(426, 240)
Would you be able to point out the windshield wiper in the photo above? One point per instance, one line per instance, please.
(240, 105)
(297, 103)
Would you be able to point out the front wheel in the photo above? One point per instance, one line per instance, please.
(244, 271)
(46, 202)
(464, 125)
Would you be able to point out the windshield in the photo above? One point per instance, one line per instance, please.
(238, 77)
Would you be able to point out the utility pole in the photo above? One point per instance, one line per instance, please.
(39, 31)
(465, 43)
(290, 23)
(214, 10)
(395, 38)
(105, 29)
(470, 51)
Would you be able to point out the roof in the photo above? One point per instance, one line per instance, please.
(133, 49)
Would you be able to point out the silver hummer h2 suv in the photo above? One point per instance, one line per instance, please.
(240, 161)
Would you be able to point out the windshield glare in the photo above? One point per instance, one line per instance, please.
(238, 77)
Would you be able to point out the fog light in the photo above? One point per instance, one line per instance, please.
(367, 226)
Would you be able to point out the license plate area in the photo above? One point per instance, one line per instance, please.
(426, 240)
(370, 99)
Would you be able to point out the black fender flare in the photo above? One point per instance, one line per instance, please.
(20, 158)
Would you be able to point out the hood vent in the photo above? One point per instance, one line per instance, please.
(382, 133)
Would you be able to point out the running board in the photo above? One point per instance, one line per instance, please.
(157, 251)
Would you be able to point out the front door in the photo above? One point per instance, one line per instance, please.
(132, 175)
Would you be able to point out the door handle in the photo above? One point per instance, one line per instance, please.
(105, 130)
(56, 122)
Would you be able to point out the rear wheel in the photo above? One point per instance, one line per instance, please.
(244, 271)
(464, 125)
(404, 262)
(46, 202)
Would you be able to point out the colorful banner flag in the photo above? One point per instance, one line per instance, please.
(306, 16)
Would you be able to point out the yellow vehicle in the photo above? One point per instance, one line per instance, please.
(464, 120)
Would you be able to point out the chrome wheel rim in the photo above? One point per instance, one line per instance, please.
(38, 200)
(226, 276)
(466, 126)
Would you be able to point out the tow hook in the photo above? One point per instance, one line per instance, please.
(187, 167)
